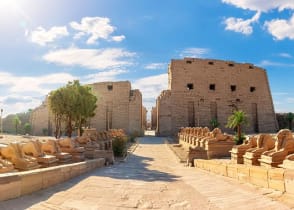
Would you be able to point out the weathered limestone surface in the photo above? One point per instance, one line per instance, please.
(146, 181)
(201, 143)
(274, 178)
(119, 107)
(51, 147)
(13, 185)
(13, 153)
(284, 146)
(265, 142)
(203, 89)
(238, 151)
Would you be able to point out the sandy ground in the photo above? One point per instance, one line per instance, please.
(151, 178)
(6, 138)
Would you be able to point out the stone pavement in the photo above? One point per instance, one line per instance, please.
(151, 178)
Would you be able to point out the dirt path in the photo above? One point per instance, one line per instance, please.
(150, 179)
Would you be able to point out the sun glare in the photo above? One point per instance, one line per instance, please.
(7, 4)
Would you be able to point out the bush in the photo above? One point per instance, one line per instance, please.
(134, 135)
(119, 146)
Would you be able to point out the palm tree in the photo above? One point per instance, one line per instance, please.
(16, 122)
(236, 120)
(290, 117)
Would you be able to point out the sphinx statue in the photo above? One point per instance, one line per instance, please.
(6, 166)
(265, 142)
(51, 147)
(288, 162)
(219, 145)
(203, 133)
(284, 146)
(69, 145)
(33, 148)
(210, 136)
(238, 151)
(15, 155)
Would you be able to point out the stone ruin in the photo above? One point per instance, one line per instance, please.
(238, 151)
(51, 147)
(284, 146)
(33, 148)
(70, 146)
(37, 153)
(205, 144)
(266, 150)
(97, 144)
(14, 154)
(265, 142)
(200, 90)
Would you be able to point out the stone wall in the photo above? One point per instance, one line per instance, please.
(203, 89)
(144, 118)
(17, 184)
(153, 118)
(118, 107)
(274, 178)
(41, 120)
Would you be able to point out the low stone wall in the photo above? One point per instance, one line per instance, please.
(13, 185)
(274, 178)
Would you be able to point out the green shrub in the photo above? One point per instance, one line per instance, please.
(119, 146)
(240, 140)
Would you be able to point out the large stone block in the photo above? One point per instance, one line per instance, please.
(259, 176)
(31, 181)
(221, 169)
(232, 171)
(276, 179)
(52, 176)
(289, 181)
(10, 185)
(243, 173)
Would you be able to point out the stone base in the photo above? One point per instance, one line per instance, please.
(287, 164)
(237, 158)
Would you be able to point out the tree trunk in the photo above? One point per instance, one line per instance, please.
(239, 134)
(69, 127)
(290, 125)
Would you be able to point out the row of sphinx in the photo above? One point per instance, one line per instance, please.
(268, 150)
(206, 144)
(37, 153)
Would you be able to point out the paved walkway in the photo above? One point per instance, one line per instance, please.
(150, 179)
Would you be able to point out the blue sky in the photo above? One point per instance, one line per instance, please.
(44, 44)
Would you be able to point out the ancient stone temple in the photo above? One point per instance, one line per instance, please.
(201, 90)
(118, 106)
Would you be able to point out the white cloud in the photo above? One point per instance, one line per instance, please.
(285, 55)
(42, 37)
(153, 66)
(91, 58)
(272, 63)
(97, 28)
(17, 84)
(103, 76)
(261, 5)
(21, 104)
(240, 25)
(22, 93)
(118, 38)
(280, 28)
(151, 87)
(194, 52)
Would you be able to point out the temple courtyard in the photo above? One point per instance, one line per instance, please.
(150, 178)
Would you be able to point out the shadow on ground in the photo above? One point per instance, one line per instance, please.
(135, 168)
